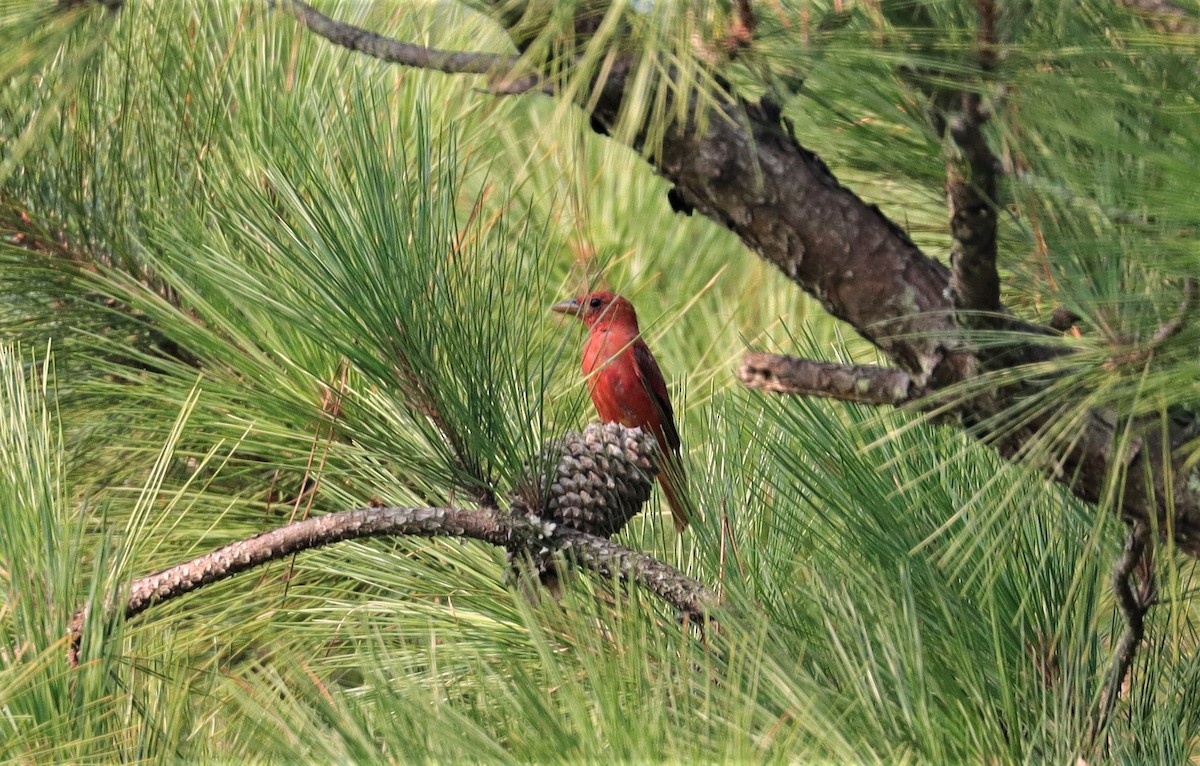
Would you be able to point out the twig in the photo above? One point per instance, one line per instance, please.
(424, 400)
(111, 5)
(500, 68)
(394, 51)
(1170, 329)
(971, 196)
(513, 532)
(848, 383)
(1133, 604)
(1162, 333)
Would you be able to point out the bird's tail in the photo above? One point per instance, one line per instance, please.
(674, 485)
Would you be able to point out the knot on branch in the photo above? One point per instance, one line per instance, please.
(594, 481)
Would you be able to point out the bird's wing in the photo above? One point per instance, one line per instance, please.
(652, 380)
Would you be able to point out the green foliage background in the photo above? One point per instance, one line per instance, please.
(213, 225)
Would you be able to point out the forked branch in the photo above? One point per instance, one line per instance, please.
(745, 169)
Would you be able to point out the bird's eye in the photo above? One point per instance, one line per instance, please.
(595, 303)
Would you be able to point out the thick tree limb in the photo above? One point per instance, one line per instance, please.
(486, 525)
(848, 383)
(741, 166)
(970, 196)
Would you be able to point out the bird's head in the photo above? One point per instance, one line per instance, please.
(600, 309)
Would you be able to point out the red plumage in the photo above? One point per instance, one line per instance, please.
(626, 384)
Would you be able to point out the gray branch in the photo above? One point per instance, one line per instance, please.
(486, 525)
(848, 383)
(1170, 329)
(1137, 558)
(394, 51)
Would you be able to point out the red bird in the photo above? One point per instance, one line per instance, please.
(626, 385)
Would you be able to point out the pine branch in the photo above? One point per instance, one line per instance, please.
(510, 531)
(1137, 559)
(848, 383)
(394, 51)
(1171, 328)
(501, 68)
(1163, 332)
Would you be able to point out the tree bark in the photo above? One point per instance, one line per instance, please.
(512, 531)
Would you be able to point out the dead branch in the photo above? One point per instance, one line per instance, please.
(848, 383)
(1165, 16)
(1171, 328)
(1162, 333)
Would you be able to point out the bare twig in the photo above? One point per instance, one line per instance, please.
(425, 401)
(500, 67)
(1136, 560)
(1169, 329)
(1163, 332)
(511, 531)
(971, 196)
(849, 383)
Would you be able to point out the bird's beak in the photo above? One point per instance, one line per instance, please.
(567, 307)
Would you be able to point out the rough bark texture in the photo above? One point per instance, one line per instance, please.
(971, 196)
(849, 383)
(747, 173)
(609, 558)
(511, 531)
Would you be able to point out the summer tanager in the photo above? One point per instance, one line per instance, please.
(626, 385)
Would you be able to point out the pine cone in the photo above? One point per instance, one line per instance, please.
(594, 481)
(600, 478)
